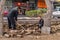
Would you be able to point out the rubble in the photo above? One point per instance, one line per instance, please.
(28, 29)
(6, 35)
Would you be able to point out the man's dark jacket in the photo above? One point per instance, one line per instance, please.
(41, 23)
(13, 14)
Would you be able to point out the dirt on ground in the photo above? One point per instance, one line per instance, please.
(55, 36)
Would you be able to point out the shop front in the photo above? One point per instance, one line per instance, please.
(33, 4)
(25, 5)
(56, 4)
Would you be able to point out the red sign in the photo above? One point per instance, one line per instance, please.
(17, 3)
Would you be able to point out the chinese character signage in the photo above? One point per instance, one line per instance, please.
(58, 0)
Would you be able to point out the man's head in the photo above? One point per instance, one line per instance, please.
(18, 7)
(39, 17)
(19, 10)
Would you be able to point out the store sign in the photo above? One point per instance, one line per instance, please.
(57, 0)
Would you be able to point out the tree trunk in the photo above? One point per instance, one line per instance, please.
(47, 18)
(1, 17)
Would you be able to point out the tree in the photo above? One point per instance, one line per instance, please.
(1, 17)
(47, 18)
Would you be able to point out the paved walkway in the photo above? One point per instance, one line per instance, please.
(24, 19)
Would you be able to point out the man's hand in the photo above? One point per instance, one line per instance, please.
(16, 21)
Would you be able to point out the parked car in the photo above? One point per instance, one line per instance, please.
(56, 13)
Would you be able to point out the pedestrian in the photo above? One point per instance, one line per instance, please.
(41, 22)
(12, 18)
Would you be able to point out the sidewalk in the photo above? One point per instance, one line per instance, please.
(24, 19)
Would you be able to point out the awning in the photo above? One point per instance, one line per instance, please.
(41, 4)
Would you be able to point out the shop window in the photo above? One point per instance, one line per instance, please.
(56, 5)
(19, 0)
(28, 9)
(25, 1)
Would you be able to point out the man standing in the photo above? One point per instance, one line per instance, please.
(12, 18)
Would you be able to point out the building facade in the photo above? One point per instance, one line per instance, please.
(33, 3)
(56, 4)
(25, 4)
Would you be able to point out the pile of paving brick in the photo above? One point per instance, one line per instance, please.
(26, 29)
(55, 26)
(22, 30)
